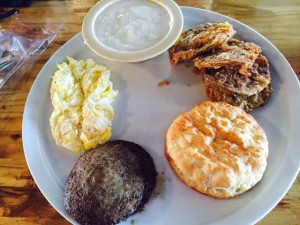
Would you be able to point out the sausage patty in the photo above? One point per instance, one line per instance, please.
(110, 183)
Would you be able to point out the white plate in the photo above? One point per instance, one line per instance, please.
(143, 113)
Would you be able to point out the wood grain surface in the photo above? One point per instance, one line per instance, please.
(21, 202)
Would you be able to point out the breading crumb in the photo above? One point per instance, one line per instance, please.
(133, 222)
(163, 83)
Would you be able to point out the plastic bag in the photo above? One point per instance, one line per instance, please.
(20, 45)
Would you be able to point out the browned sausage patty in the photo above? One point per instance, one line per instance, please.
(110, 183)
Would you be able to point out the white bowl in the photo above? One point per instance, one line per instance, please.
(93, 42)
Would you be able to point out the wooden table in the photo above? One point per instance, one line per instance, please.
(21, 202)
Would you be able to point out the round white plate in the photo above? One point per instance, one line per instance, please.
(143, 113)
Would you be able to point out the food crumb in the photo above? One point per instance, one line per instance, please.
(163, 83)
(133, 222)
(196, 72)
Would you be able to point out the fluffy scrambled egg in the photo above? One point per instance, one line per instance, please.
(81, 94)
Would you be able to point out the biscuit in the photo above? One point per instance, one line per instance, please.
(217, 149)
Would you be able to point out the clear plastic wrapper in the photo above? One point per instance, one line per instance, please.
(20, 46)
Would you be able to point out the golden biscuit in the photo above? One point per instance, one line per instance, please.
(217, 149)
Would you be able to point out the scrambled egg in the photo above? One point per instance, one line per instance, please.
(81, 94)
